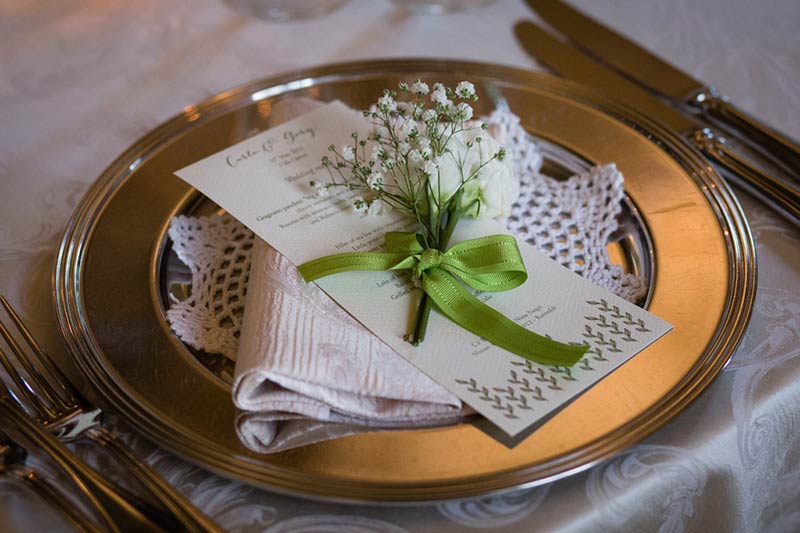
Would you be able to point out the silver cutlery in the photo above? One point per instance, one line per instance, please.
(13, 465)
(111, 507)
(664, 79)
(67, 415)
(573, 64)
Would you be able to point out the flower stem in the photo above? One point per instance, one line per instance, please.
(421, 321)
(425, 303)
(452, 220)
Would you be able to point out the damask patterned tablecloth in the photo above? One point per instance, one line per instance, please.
(81, 80)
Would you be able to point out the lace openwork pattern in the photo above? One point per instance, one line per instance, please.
(217, 250)
(570, 221)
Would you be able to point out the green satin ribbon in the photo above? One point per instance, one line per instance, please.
(490, 263)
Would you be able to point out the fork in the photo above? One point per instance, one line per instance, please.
(66, 414)
(14, 466)
(111, 507)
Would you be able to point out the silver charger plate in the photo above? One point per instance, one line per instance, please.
(682, 229)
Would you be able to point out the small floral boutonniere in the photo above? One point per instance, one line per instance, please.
(427, 157)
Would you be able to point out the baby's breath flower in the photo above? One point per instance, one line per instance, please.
(463, 111)
(424, 146)
(321, 189)
(375, 181)
(465, 89)
(430, 168)
(387, 104)
(408, 128)
(430, 151)
(360, 206)
(439, 96)
(378, 153)
(419, 88)
(439, 92)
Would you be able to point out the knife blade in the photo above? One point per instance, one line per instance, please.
(575, 65)
(615, 50)
(662, 78)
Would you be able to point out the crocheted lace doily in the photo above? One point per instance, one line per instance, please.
(570, 221)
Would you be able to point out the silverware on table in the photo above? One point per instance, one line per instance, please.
(111, 507)
(664, 79)
(67, 415)
(13, 465)
(573, 64)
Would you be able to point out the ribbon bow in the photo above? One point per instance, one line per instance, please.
(490, 263)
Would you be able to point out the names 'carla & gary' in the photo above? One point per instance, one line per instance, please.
(268, 146)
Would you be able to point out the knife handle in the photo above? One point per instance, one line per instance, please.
(780, 147)
(774, 192)
(57, 498)
(190, 518)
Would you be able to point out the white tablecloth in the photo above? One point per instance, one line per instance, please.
(81, 80)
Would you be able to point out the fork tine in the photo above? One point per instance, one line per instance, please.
(53, 405)
(36, 383)
(71, 394)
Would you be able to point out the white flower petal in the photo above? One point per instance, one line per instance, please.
(465, 89)
(419, 88)
(375, 207)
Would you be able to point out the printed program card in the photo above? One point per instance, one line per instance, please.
(264, 182)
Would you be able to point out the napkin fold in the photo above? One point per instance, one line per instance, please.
(305, 360)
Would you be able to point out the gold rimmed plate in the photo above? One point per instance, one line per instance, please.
(682, 229)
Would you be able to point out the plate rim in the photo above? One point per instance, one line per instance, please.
(67, 276)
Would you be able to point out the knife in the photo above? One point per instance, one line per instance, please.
(662, 78)
(573, 64)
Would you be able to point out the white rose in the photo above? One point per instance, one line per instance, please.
(498, 189)
(448, 178)
(496, 186)
(493, 185)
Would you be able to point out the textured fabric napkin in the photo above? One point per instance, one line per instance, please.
(307, 371)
